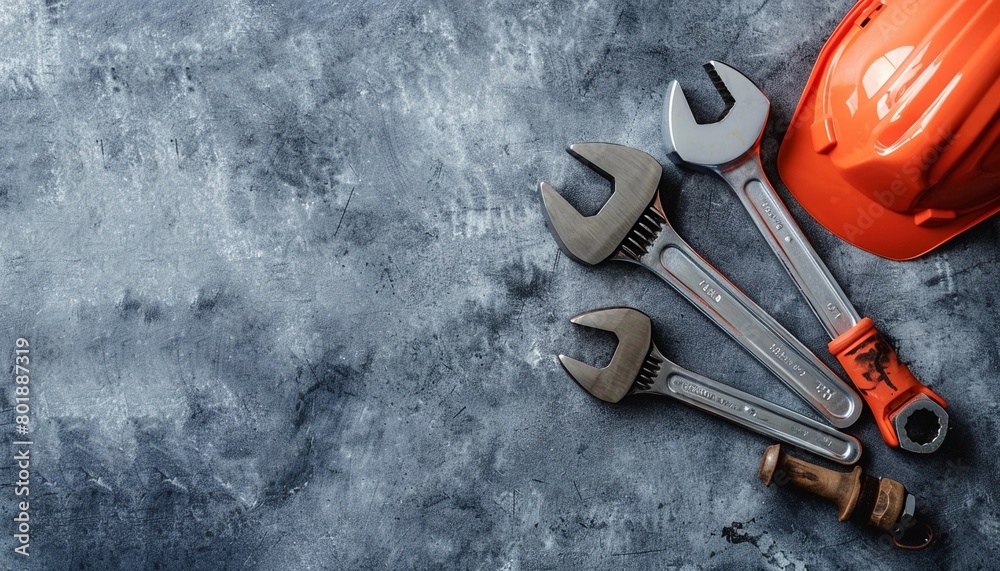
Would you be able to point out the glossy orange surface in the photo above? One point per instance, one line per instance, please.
(895, 144)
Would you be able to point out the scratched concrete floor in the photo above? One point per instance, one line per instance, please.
(293, 305)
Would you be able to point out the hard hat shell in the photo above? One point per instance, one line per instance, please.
(895, 144)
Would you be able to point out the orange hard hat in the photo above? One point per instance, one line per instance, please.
(895, 144)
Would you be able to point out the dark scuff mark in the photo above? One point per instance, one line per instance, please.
(874, 356)
(733, 534)
(129, 305)
(294, 475)
(344, 213)
(332, 377)
(152, 312)
(303, 159)
(54, 7)
(487, 325)
(5, 195)
(524, 281)
(211, 300)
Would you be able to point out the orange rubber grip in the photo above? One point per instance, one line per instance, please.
(874, 368)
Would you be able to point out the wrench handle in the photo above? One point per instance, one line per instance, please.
(763, 337)
(760, 416)
(886, 384)
(783, 235)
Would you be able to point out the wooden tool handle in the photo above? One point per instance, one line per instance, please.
(874, 501)
(843, 489)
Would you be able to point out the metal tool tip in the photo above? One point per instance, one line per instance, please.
(592, 318)
(581, 372)
(618, 320)
(585, 152)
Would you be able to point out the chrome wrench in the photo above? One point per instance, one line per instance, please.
(638, 367)
(908, 413)
(633, 227)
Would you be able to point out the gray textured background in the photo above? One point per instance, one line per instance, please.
(292, 302)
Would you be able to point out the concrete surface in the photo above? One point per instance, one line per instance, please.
(292, 304)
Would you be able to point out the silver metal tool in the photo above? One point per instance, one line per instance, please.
(730, 149)
(638, 367)
(633, 227)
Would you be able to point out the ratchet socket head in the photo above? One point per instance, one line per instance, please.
(908, 414)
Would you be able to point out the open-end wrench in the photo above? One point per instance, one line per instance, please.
(633, 227)
(908, 413)
(638, 367)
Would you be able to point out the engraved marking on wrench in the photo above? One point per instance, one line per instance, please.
(783, 356)
(713, 293)
(766, 208)
(804, 433)
(705, 393)
(768, 211)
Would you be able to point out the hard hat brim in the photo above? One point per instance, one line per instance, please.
(852, 215)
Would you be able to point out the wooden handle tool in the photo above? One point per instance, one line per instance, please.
(878, 502)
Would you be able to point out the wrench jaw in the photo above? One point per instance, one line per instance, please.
(570, 229)
(921, 425)
(714, 147)
(635, 178)
(629, 366)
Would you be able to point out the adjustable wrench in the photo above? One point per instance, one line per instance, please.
(638, 367)
(908, 414)
(633, 227)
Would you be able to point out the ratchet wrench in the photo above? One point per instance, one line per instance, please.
(908, 414)
(633, 227)
(638, 367)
